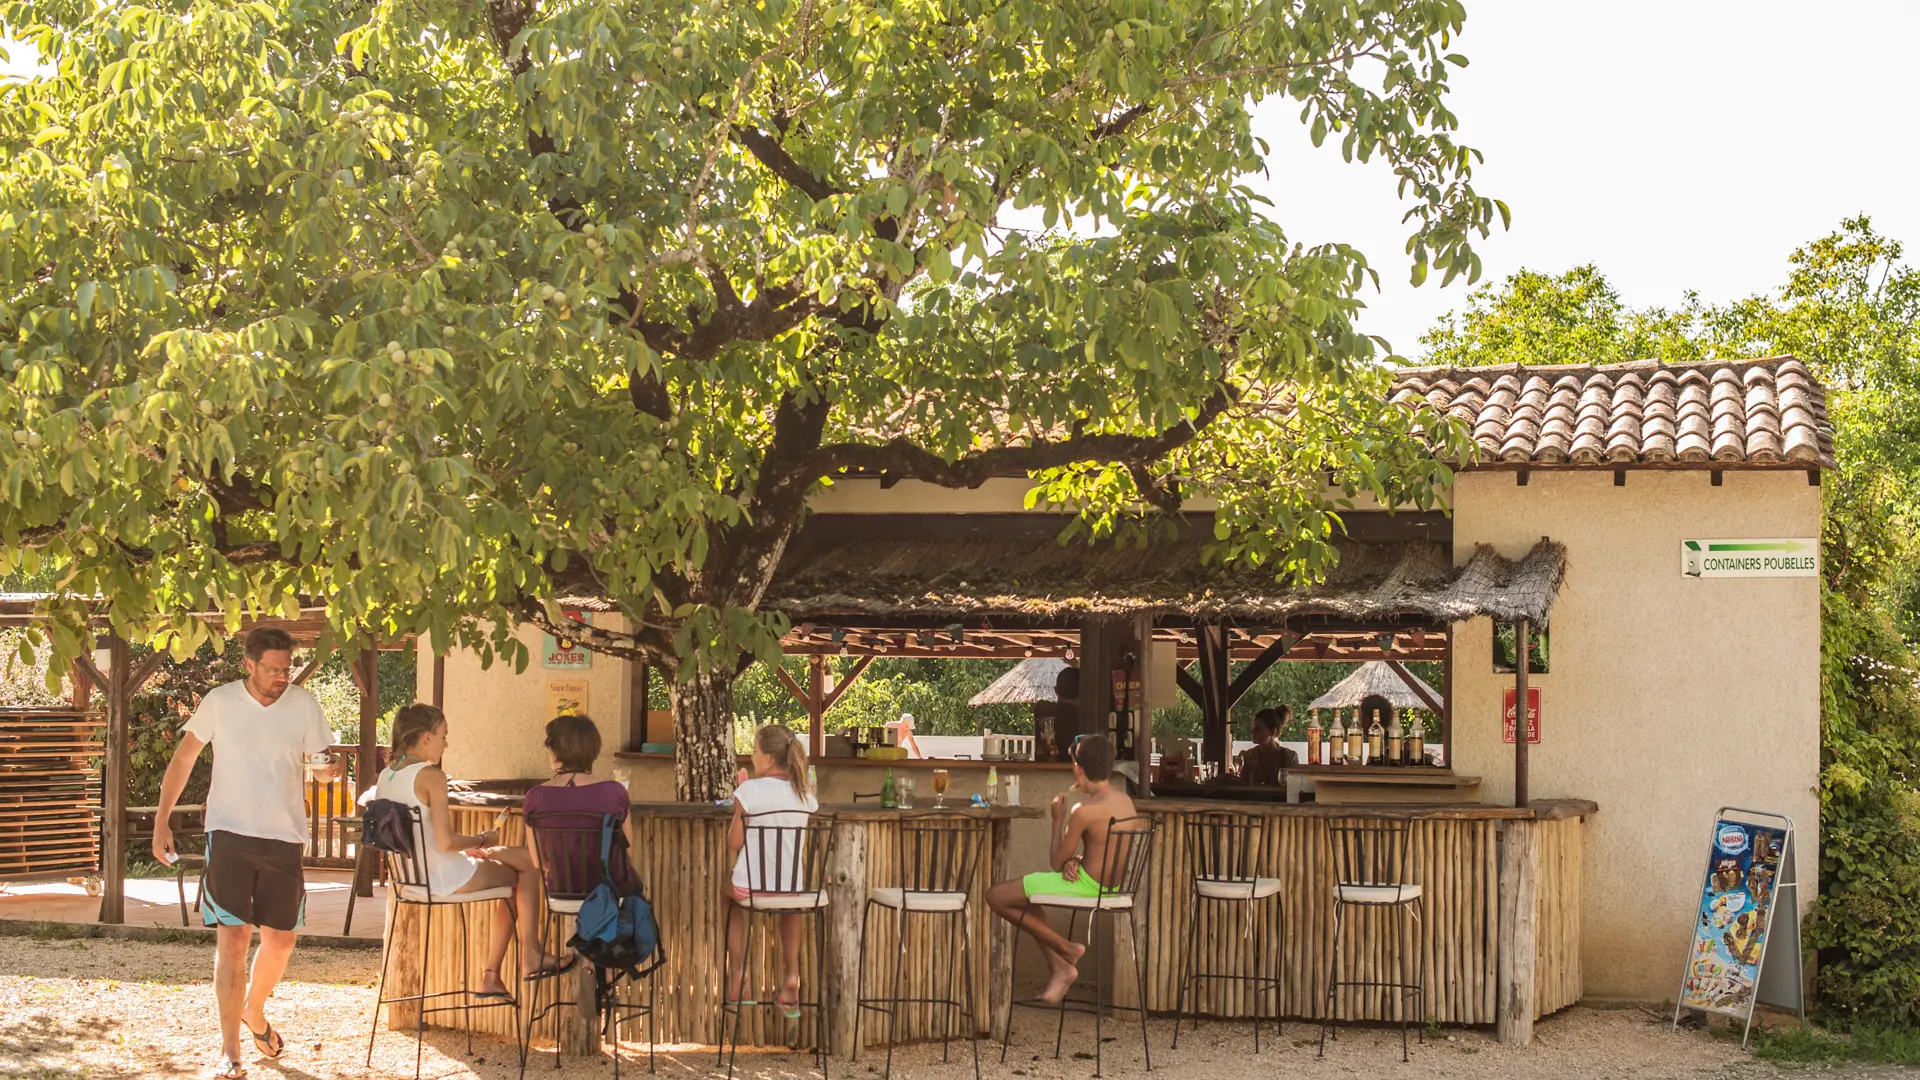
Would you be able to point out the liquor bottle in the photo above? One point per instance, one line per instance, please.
(993, 785)
(1338, 741)
(889, 795)
(1314, 738)
(1417, 742)
(1396, 743)
(1356, 741)
(1043, 744)
(1376, 742)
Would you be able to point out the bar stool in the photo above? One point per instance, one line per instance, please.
(788, 855)
(936, 854)
(567, 847)
(1224, 849)
(1129, 851)
(413, 888)
(1370, 873)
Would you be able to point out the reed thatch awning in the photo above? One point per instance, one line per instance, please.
(827, 575)
(1029, 681)
(1375, 679)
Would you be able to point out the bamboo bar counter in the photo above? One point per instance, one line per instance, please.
(680, 849)
(1501, 915)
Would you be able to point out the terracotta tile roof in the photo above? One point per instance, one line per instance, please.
(1768, 412)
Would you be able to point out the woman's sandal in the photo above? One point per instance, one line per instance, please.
(551, 967)
(268, 1042)
(790, 1010)
(228, 1069)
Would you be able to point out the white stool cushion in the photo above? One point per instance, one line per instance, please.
(414, 894)
(1109, 902)
(1256, 889)
(564, 907)
(918, 901)
(1376, 894)
(786, 901)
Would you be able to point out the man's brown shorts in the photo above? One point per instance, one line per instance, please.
(250, 881)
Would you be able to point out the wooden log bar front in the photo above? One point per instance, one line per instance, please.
(1477, 866)
(1500, 922)
(681, 853)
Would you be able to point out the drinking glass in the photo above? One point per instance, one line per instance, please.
(906, 794)
(940, 779)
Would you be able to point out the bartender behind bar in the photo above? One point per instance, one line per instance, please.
(1266, 761)
(1064, 710)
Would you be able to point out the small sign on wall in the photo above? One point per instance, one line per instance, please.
(1791, 557)
(1533, 717)
(566, 697)
(563, 654)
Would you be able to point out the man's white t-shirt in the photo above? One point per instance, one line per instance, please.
(257, 767)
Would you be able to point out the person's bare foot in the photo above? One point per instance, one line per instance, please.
(1065, 972)
(1063, 976)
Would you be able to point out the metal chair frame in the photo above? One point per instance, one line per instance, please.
(1125, 864)
(1224, 848)
(937, 853)
(410, 872)
(1371, 852)
(570, 869)
(771, 878)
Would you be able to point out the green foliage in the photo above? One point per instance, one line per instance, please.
(1851, 309)
(23, 672)
(1576, 317)
(444, 310)
(1811, 1046)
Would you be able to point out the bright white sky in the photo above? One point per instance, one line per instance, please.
(1675, 143)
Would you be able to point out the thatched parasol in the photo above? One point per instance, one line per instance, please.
(1374, 678)
(1030, 680)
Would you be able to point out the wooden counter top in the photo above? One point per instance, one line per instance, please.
(865, 811)
(1543, 809)
(906, 763)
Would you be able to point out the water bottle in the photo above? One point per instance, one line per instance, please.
(993, 785)
(813, 781)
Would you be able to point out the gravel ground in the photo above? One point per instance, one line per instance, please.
(117, 1009)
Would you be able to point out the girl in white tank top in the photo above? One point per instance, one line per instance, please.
(475, 864)
(446, 870)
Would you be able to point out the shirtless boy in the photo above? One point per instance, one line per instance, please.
(1080, 837)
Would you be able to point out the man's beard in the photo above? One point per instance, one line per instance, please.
(268, 693)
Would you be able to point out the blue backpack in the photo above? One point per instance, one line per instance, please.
(614, 932)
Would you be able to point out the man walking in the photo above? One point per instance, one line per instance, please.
(262, 729)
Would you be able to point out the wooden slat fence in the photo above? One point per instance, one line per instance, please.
(49, 792)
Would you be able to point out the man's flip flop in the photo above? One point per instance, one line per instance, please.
(790, 1011)
(269, 1042)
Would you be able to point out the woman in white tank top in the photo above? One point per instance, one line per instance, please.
(456, 863)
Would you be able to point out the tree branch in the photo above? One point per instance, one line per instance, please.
(774, 157)
(900, 459)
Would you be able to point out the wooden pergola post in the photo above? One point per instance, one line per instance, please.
(366, 675)
(1216, 705)
(1520, 665)
(113, 782)
(816, 705)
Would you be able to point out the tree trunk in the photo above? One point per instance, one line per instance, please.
(704, 763)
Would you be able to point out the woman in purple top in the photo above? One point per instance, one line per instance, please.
(573, 744)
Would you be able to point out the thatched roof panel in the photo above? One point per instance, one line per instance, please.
(1034, 577)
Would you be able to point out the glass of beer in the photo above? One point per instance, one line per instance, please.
(940, 781)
